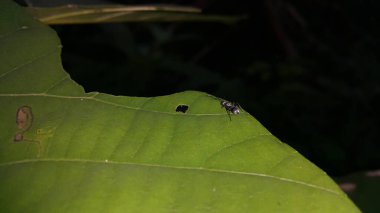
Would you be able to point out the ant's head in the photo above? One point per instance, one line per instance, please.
(235, 110)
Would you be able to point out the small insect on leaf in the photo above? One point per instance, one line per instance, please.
(24, 118)
(230, 107)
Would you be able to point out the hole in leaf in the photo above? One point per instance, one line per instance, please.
(182, 108)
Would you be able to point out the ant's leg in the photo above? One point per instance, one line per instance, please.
(229, 114)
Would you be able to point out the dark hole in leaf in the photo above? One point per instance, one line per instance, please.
(182, 108)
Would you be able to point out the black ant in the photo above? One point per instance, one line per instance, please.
(230, 107)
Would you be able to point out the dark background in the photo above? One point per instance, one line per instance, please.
(309, 71)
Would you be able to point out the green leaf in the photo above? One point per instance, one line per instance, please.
(64, 150)
(75, 14)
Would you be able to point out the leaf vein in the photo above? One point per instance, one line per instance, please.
(90, 98)
(30, 61)
(232, 145)
(172, 167)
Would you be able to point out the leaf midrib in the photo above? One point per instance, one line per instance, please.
(202, 169)
(92, 98)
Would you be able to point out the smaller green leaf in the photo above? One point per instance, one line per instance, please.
(75, 14)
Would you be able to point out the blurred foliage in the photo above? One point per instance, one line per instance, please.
(78, 14)
(363, 188)
(308, 71)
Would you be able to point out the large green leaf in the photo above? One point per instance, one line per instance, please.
(64, 150)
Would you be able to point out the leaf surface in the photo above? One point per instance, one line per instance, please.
(64, 150)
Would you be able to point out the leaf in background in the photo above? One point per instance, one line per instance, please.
(72, 151)
(75, 14)
(363, 188)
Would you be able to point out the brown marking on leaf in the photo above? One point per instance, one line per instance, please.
(18, 137)
(24, 118)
